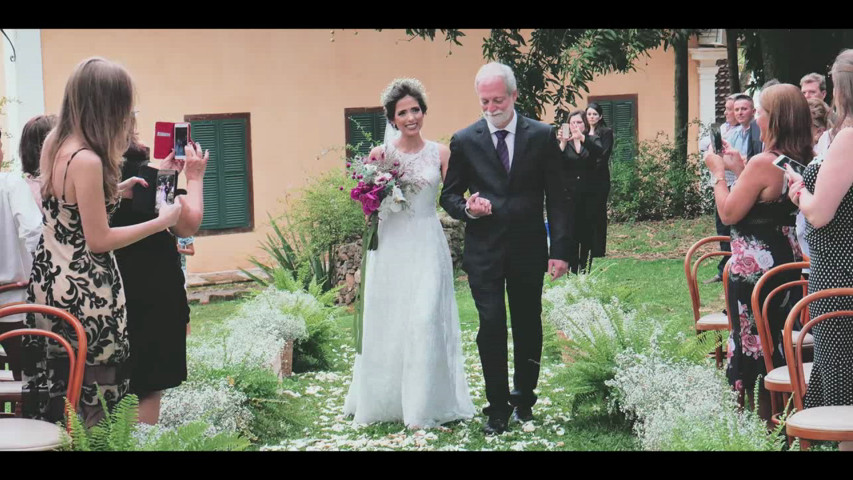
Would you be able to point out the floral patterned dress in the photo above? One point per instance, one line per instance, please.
(67, 275)
(763, 239)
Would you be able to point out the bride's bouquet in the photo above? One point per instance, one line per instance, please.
(382, 181)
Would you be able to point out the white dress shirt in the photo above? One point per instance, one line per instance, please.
(509, 139)
(20, 231)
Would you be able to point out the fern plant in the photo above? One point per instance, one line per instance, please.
(119, 430)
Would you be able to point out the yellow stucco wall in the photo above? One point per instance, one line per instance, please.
(296, 84)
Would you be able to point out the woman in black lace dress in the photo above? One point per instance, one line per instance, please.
(74, 268)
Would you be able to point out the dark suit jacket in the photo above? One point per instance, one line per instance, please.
(755, 145)
(584, 170)
(514, 234)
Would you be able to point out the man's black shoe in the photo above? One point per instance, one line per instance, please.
(522, 414)
(495, 426)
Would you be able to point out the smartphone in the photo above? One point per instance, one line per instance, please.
(182, 136)
(167, 183)
(796, 166)
(717, 138)
(565, 131)
(144, 197)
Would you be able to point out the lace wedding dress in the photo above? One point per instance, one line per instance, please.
(411, 368)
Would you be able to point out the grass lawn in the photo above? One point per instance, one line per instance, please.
(646, 264)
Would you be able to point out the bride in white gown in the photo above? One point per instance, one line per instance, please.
(411, 368)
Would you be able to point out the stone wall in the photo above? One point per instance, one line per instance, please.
(348, 258)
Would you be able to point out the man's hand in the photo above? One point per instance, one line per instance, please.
(478, 207)
(557, 268)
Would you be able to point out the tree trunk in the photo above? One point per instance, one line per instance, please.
(731, 54)
(680, 48)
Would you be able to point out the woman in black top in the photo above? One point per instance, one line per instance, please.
(158, 312)
(599, 128)
(581, 169)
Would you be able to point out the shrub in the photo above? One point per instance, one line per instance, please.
(678, 405)
(598, 330)
(119, 431)
(655, 184)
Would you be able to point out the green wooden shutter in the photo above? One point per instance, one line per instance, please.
(624, 131)
(204, 132)
(365, 130)
(235, 200)
(607, 112)
(226, 182)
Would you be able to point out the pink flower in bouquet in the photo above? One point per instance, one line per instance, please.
(369, 203)
(357, 191)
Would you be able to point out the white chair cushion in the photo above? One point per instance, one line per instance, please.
(809, 340)
(781, 376)
(27, 434)
(6, 376)
(11, 388)
(713, 321)
(834, 419)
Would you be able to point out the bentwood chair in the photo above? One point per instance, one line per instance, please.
(715, 321)
(778, 381)
(829, 423)
(29, 434)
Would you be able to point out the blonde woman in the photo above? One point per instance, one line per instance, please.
(824, 194)
(74, 268)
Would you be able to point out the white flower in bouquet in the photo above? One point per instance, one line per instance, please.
(383, 178)
(398, 200)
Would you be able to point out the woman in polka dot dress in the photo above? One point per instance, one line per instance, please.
(825, 197)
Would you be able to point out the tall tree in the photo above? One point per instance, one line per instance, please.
(732, 58)
(679, 46)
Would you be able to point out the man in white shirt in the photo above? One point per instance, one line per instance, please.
(20, 231)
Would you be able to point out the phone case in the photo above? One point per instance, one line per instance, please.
(164, 139)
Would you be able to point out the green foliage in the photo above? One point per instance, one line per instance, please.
(119, 431)
(114, 433)
(304, 243)
(192, 438)
(553, 66)
(656, 184)
(297, 281)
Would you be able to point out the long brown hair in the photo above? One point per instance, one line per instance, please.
(789, 127)
(97, 105)
(842, 96)
(32, 140)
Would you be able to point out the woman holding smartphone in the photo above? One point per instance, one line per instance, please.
(582, 158)
(763, 235)
(74, 268)
(158, 313)
(824, 194)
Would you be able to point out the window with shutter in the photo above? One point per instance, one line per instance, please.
(365, 127)
(228, 202)
(620, 113)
